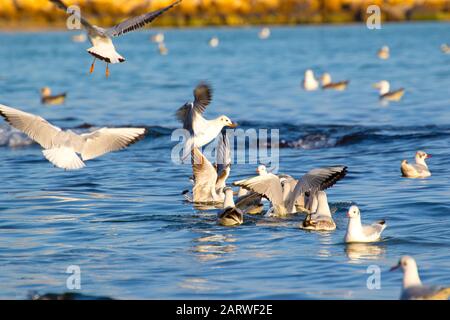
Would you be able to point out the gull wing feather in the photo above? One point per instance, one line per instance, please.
(138, 22)
(223, 156)
(268, 186)
(35, 127)
(205, 177)
(107, 140)
(86, 24)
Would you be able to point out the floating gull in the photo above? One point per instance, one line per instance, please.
(101, 39)
(356, 232)
(445, 48)
(231, 215)
(47, 98)
(383, 53)
(327, 84)
(283, 192)
(79, 37)
(321, 220)
(61, 147)
(412, 288)
(264, 33)
(417, 170)
(158, 38)
(386, 94)
(214, 42)
(250, 203)
(309, 82)
(201, 130)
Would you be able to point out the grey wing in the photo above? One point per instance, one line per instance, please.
(268, 186)
(374, 229)
(223, 156)
(138, 22)
(89, 27)
(202, 96)
(35, 127)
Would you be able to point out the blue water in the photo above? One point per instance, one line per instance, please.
(122, 219)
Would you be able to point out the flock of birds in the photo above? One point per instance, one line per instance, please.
(286, 195)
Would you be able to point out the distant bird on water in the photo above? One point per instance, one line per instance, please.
(61, 147)
(158, 38)
(384, 53)
(309, 82)
(445, 48)
(385, 93)
(328, 84)
(264, 33)
(412, 287)
(101, 39)
(48, 98)
(417, 170)
(79, 37)
(214, 42)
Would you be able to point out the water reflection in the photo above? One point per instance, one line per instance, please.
(359, 251)
(212, 246)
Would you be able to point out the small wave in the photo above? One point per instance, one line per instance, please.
(13, 138)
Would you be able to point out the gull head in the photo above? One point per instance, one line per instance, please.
(261, 170)
(309, 74)
(226, 122)
(326, 79)
(383, 86)
(406, 263)
(421, 156)
(353, 212)
(46, 91)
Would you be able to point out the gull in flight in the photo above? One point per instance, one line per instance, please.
(321, 220)
(48, 98)
(101, 38)
(61, 147)
(356, 232)
(201, 131)
(230, 215)
(209, 180)
(385, 94)
(309, 82)
(417, 170)
(284, 191)
(328, 84)
(383, 53)
(412, 288)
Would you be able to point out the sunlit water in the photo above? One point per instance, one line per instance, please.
(122, 219)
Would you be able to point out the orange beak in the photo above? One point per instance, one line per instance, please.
(428, 156)
(395, 267)
(233, 125)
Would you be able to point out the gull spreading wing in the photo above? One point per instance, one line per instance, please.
(106, 140)
(35, 127)
(205, 176)
(269, 186)
(138, 22)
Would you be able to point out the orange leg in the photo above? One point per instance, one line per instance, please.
(107, 70)
(92, 66)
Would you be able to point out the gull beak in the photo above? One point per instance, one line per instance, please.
(428, 156)
(395, 267)
(233, 125)
(348, 215)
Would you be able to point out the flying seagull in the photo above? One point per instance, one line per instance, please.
(101, 38)
(61, 147)
(201, 131)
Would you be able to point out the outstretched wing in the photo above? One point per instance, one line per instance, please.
(268, 186)
(107, 140)
(35, 127)
(138, 22)
(83, 21)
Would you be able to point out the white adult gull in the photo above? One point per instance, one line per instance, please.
(412, 287)
(61, 147)
(417, 170)
(356, 232)
(321, 220)
(309, 82)
(201, 131)
(101, 38)
(283, 192)
(386, 94)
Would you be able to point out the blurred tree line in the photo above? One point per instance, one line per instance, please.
(42, 13)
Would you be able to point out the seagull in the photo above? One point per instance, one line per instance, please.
(412, 288)
(201, 130)
(214, 42)
(61, 147)
(321, 220)
(230, 215)
(47, 98)
(386, 94)
(327, 84)
(158, 38)
(445, 48)
(101, 39)
(309, 82)
(79, 37)
(283, 192)
(264, 33)
(356, 232)
(383, 53)
(417, 170)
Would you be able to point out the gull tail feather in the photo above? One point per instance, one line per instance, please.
(64, 158)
